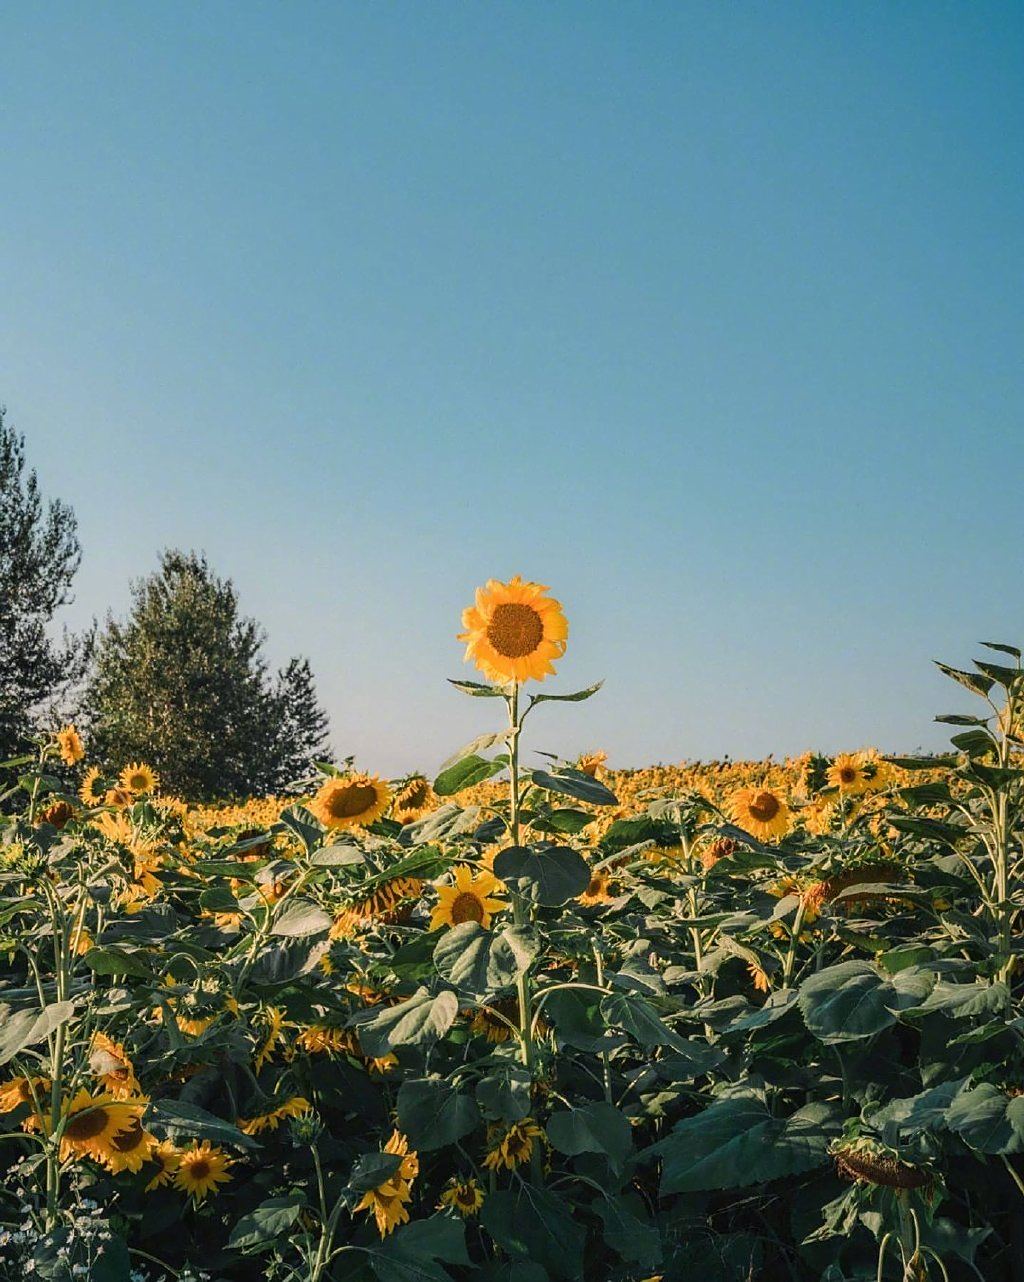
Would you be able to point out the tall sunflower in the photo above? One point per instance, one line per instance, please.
(350, 801)
(514, 632)
(761, 812)
(470, 899)
(69, 745)
(138, 778)
(201, 1169)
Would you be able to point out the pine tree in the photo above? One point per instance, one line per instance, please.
(183, 684)
(39, 557)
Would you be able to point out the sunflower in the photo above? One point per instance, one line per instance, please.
(319, 1039)
(58, 814)
(467, 900)
(592, 763)
(382, 902)
(201, 1169)
(90, 1123)
(165, 1156)
(762, 812)
(91, 790)
(387, 1201)
(111, 1066)
(70, 746)
(294, 1106)
(350, 801)
(138, 778)
(130, 1148)
(22, 1090)
(274, 1017)
(511, 1148)
(598, 892)
(848, 774)
(488, 1022)
(514, 632)
(118, 798)
(414, 800)
(720, 848)
(466, 1197)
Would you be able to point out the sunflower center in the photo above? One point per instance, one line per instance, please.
(515, 630)
(764, 807)
(199, 1169)
(466, 907)
(847, 774)
(355, 799)
(129, 1139)
(85, 1126)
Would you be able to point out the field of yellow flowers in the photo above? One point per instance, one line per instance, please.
(519, 1023)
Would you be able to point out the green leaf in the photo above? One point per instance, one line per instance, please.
(977, 683)
(418, 1021)
(592, 1128)
(574, 783)
(477, 690)
(549, 875)
(632, 1013)
(115, 961)
(988, 1119)
(473, 749)
(976, 743)
(340, 855)
(27, 1028)
(634, 1239)
(182, 1120)
(271, 1219)
(735, 1143)
(534, 1223)
(371, 1170)
(853, 1000)
(1001, 648)
(1006, 677)
(467, 772)
(413, 1251)
(301, 917)
(577, 697)
(479, 961)
(504, 1094)
(433, 1114)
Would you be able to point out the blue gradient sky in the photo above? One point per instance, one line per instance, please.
(708, 315)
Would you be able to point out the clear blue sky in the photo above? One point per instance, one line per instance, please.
(708, 315)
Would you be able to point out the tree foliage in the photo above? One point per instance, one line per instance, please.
(39, 556)
(183, 684)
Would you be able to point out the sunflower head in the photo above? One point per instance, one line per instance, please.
(58, 814)
(470, 899)
(414, 800)
(849, 774)
(350, 801)
(69, 745)
(514, 632)
(92, 788)
(763, 812)
(201, 1169)
(465, 1197)
(138, 779)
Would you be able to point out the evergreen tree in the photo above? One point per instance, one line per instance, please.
(183, 685)
(39, 556)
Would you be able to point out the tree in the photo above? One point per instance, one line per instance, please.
(39, 557)
(183, 685)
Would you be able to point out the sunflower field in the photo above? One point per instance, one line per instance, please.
(521, 1022)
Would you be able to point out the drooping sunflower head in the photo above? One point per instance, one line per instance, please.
(414, 800)
(111, 1066)
(599, 890)
(762, 812)
(465, 1197)
(387, 1201)
(59, 814)
(592, 763)
(514, 632)
(138, 779)
(350, 801)
(69, 745)
(510, 1148)
(470, 899)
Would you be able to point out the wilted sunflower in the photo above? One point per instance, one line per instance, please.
(201, 1169)
(514, 632)
(70, 746)
(92, 788)
(350, 801)
(592, 763)
(387, 1201)
(761, 812)
(138, 778)
(319, 1039)
(848, 774)
(414, 800)
(466, 1197)
(467, 900)
(111, 1066)
(512, 1147)
(58, 814)
(294, 1106)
